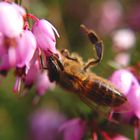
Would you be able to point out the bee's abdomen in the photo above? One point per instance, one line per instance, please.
(104, 93)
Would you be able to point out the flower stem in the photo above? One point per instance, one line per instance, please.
(94, 136)
(135, 133)
(32, 17)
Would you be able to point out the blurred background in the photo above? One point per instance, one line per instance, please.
(116, 22)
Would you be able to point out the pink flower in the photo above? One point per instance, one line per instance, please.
(44, 124)
(134, 99)
(11, 20)
(32, 74)
(26, 48)
(120, 137)
(123, 39)
(123, 80)
(128, 84)
(24, 51)
(45, 35)
(4, 61)
(5, 64)
(43, 83)
(7, 51)
(19, 9)
(73, 129)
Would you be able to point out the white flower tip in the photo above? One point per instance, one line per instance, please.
(17, 85)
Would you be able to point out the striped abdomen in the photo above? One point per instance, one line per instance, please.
(104, 93)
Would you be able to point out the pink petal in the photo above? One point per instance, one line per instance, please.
(43, 84)
(73, 129)
(26, 48)
(44, 33)
(120, 137)
(11, 21)
(134, 99)
(123, 80)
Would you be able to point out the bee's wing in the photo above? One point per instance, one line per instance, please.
(100, 109)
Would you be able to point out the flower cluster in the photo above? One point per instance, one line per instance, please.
(21, 46)
(130, 87)
(50, 124)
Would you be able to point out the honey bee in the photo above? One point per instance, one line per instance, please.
(71, 73)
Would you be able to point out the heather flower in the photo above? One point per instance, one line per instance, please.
(123, 39)
(19, 9)
(4, 65)
(120, 137)
(11, 20)
(26, 48)
(43, 83)
(4, 61)
(44, 125)
(45, 35)
(32, 74)
(8, 51)
(128, 84)
(73, 129)
(134, 99)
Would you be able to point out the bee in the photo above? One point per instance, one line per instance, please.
(72, 74)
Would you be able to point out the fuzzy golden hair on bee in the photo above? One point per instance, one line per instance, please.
(74, 75)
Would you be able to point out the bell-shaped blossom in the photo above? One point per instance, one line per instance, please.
(19, 9)
(123, 39)
(43, 83)
(73, 129)
(4, 65)
(120, 137)
(44, 124)
(126, 82)
(123, 80)
(26, 48)
(4, 62)
(7, 51)
(134, 99)
(32, 74)
(45, 35)
(11, 21)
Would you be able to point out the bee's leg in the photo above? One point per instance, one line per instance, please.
(66, 53)
(95, 40)
(92, 62)
(42, 63)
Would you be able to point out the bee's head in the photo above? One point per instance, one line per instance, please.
(54, 66)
